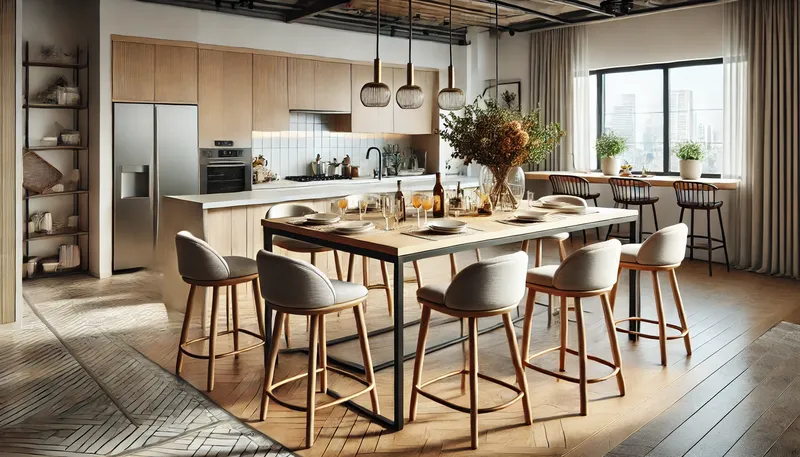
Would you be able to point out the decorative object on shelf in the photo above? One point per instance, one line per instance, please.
(73, 221)
(68, 96)
(59, 93)
(52, 53)
(409, 96)
(451, 98)
(37, 174)
(609, 146)
(393, 158)
(626, 170)
(261, 173)
(70, 138)
(691, 155)
(376, 94)
(45, 222)
(69, 256)
(501, 140)
(48, 141)
(510, 94)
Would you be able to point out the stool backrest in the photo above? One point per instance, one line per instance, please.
(570, 185)
(293, 283)
(591, 267)
(198, 260)
(665, 247)
(688, 192)
(288, 210)
(569, 199)
(629, 190)
(489, 284)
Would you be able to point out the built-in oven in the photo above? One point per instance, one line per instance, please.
(225, 170)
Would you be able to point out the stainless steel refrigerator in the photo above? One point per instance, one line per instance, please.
(155, 154)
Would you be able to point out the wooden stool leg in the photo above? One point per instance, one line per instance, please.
(464, 356)
(350, 264)
(525, 245)
(311, 393)
(212, 338)
(323, 356)
(338, 264)
(662, 323)
(387, 288)
(227, 309)
(187, 319)
(676, 294)
(478, 255)
(419, 360)
(549, 311)
(522, 381)
(270, 359)
(581, 351)
(259, 310)
(537, 262)
(314, 258)
(417, 274)
(562, 353)
(724, 243)
(287, 330)
(453, 266)
(608, 314)
(366, 356)
(526, 325)
(562, 250)
(473, 382)
(365, 276)
(235, 312)
(614, 289)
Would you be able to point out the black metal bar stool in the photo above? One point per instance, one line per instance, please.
(695, 195)
(577, 187)
(633, 192)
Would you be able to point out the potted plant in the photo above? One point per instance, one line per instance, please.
(691, 155)
(500, 139)
(609, 146)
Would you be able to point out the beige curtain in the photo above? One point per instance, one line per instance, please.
(762, 139)
(560, 88)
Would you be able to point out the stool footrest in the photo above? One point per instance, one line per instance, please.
(368, 387)
(380, 286)
(465, 409)
(682, 332)
(186, 352)
(564, 377)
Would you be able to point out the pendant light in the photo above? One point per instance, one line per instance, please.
(451, 98)
(496, 55)
(409, 96)
(376, 94)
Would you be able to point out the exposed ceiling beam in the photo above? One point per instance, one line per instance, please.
(314, 8)
(584, 6)
(512, 6)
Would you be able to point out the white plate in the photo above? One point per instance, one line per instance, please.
(572, 209)
(322, 218)
(551, 204)
(531, 214)
(448, 226)
(350, 227)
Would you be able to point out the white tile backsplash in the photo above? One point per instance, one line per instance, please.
(289, 153)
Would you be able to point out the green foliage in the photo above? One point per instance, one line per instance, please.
(689, 150)
(610, 145)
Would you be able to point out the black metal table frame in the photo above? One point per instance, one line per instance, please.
(398, 421)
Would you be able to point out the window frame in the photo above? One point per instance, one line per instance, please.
(665, 68)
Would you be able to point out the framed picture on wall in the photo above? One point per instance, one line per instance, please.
(510, 94)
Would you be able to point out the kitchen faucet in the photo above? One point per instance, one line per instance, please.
(380, 162)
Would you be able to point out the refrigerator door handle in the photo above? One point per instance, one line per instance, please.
(155, 176)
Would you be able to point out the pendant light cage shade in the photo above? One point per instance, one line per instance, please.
(376, 94)
(409, 96)
(451, 99)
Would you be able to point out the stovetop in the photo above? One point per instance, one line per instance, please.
(315, 178)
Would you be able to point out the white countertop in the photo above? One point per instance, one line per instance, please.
(287, 191)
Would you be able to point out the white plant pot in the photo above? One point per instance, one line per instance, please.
(691, 169)
(609, 166)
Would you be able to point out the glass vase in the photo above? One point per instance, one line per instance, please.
(506, 194)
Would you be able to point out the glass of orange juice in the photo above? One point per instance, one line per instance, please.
(427, 205)
(416, 201)
(342, 204)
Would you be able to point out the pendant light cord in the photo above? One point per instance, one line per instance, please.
(450, 36)
(409, 31)
(496, 55)
(378, 33)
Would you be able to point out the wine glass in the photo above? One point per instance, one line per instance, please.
(416, 201)
(399, 209)
(362, 208)
(427, 205)
(530, 198)
(342, 204)
(387, 209)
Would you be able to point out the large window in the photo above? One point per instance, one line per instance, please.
(648, 104)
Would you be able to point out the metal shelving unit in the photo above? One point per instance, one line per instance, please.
(76, 234)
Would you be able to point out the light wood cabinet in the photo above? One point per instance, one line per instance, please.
(132, 72)
(365, 119)
(332, 86)
(423, 119)
(225, 94)
(270, 93)
(175, 74)
(301, 84)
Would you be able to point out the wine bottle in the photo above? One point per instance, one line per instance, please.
(400, 201)
(438, 197)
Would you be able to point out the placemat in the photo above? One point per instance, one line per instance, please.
(331, 227)
(521, 223)
(428, 234)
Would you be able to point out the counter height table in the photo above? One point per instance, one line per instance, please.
(398, 247)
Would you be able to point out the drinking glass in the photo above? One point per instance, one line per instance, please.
(362, 208)
(427, 205)
(387, 209)
(416, 200)
(530, 198)
(342, 204)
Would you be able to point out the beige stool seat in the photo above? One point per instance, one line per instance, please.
(662, 251)
(240, 266)
(588, 272)
(295, 287)
(484, 289)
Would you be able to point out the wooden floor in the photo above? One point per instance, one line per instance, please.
(741, 390)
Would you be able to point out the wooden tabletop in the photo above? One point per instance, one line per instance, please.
(656, 181)
(487, 230)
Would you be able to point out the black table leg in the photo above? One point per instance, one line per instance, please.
(633, 289)
(399, 353)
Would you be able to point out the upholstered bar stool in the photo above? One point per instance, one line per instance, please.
(576, 186)
(487, 288)
(201, 266)
(633, 192)
(693, 195)
(295, 287)
(303, 247)
(663, 251)
(587, 272)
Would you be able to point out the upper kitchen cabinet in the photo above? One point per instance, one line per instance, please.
(133, 72)
(225, 97)
(366, 119)
(270, 93)
(424, 119)
(176, 74)
(318, 85)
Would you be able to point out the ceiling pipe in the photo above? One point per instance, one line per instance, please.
(583, 6)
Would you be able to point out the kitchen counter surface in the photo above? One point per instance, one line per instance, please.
(287, 191)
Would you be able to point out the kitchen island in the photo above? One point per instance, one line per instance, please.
(231, 222)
